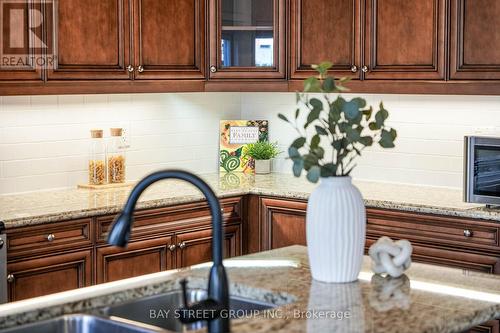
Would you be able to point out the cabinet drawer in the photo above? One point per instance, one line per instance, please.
(49, 237)
(433, 229)
(155, 222)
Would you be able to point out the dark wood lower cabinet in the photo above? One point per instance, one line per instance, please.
(492, 326)
(195, 247)
(283, 223)
(50, 274)
(139, 258)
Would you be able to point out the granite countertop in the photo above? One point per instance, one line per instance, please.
(427, 299)
(57, 205)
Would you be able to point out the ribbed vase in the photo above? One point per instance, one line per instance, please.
(336, 230)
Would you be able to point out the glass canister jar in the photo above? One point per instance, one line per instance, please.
(116, 156)
(97, 158)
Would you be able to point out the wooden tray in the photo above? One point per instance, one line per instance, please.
(105, 186)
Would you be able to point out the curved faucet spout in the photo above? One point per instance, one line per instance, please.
(120, 231)
(218, 290)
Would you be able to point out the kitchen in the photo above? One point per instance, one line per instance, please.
(152, 87)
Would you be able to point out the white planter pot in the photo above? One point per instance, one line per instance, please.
(336, 230)
(262, 167)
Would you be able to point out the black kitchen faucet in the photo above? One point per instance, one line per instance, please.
(215, 308)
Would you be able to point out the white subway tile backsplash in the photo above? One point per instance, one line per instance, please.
(44, 139)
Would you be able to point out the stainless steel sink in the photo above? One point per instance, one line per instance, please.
(78, 324)
(160, 310)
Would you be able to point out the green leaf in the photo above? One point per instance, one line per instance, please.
(386, 140)
(329, 84)
(316, 104)
(373, 126)
(352, 134)
(360, 102)
(313, 174)
(393, 133)
(312, 116)
(312, 85)
(283, 117)
(381, 116)
(298, 166)
(351, 110)
(319, 152)
(328, 170)
(310, 160)
(297, 113)
(320, 130)
(299, 142)
(366, 141)
(294, 153)
(368, 113)
(315, 141)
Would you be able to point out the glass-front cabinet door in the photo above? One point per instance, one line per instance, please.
(247, 39)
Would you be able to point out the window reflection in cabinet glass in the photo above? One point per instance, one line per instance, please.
(247, 33)
(247, 49)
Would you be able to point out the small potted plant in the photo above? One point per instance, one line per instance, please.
(262, 152)
(335, 132)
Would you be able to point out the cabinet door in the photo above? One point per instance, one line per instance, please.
(247, 39)
(23, 48)
(325, 30)
(283, 223)
(196, 247)
(475, 39)
(405, 39)
(169, 39)
(90, 39)
(139, 258)
(42, 276)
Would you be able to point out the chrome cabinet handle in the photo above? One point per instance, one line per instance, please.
(51, 237)
(468, 233)
(172, 247)
(130, 68)
(354, 68)
(364, 69)
(182, 245)
(140, 69)
(213, 69)
(2, 243)
(10, 278)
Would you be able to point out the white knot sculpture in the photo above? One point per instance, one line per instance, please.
(391, 257)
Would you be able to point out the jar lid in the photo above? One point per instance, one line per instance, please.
(116, 131)
(96, 133)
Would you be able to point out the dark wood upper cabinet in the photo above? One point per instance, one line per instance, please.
(322, 30)
(475, 40)
(169, 39)
(405, 39)
(90, 39)
(247, 39)
(23, 47)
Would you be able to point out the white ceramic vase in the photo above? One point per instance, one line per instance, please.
(262, 167)
(336, 230)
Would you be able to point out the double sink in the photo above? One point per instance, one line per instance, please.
(150, 314)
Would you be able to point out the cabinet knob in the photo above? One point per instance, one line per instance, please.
(364, 69)
(213, 69)
(468, 233)
(10, 278)
(140, 69)
(172, 247)
(130, 68)
(51, 237)
(354, 68)
(1, 243)
(182, 245)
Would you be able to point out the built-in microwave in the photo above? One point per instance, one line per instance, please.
(482, 170)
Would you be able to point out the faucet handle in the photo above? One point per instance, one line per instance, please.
(184, 283)
(205, 310)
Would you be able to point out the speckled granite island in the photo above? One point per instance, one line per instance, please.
(57, 205)
(428, 299)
